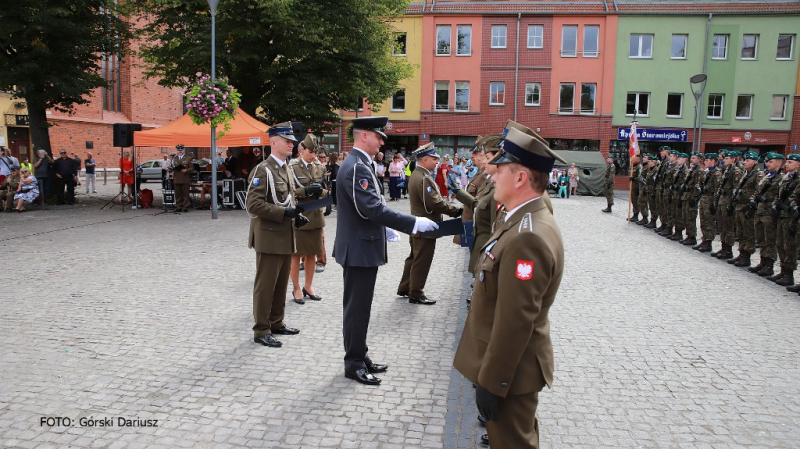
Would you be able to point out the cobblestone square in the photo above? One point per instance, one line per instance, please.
(147, 316)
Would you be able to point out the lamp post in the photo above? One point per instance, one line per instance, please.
(214, 214)
(697, 79)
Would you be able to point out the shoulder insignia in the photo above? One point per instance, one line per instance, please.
(525, 223)
(256, 182)
(430, 189)
(364, 184)
(524, 269)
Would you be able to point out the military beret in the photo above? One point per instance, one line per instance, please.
(664, 148)
(710, 156)
(732, 153)
(425, 150)
(698, 154)
(793, 157)
(751, 155)
(283, 130)
(646, 155)
(683, 155)
(772, 155)
(675, 152)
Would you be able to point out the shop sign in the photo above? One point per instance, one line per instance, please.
(736, 139)
(748, 135)
(400, 130)
(760, 140)
(660, 135)
(389, 126)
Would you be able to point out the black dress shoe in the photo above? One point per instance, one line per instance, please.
(375, 367)
(485, 439)
(402, 294)
(308, 295)
(481, 420)
(422, 300)
(268, 340)
(362, 376)
(284, 330)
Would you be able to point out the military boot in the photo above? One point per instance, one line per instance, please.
(766, 269)
(794, 288)
(677, 235)
(744, 260)
(726, 252)
(634, 218)
(607, 209)
(659, 229)
(758, 267)
(666, 232)
(735, 259)
(652, 224)
(716, 253)
(777, 276)
(643, 221)
(689, 241)
(787, 279)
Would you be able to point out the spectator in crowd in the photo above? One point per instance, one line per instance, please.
(166, 174)
(457, 170)
(27, 189)
(6, 162)
(66, 176)
(573, 179)
(465, 169)
(441, 176)
(552, 183)
(332, 172)
(77, 160)
(563, 184)
(396, 170)
(90, 165)
(8, 187)
(26, 164)
(126, 175)
(245, 162)
(41, 169)
(380, 168)
(230, 165)
(410, 166)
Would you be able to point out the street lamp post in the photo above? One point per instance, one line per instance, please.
(214, 214)
(697, 79)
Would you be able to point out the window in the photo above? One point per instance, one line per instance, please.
(535, 36)
(591, 41)
(566, 99)
(464, 40)
(110, 71)
(462, 95)
(497, 93)
(399, 47)
(744, 107)
(498, 36)
(679, 46)
(638, 103)
(533, 93)
(443, 40)
(442, 95)
(715, 104)
(399, 100)
(569, 41)
(749, 46)
(785, 44)
(641, 46)
(719, 49)
(587, 98)
(674, 105)
(778, 110)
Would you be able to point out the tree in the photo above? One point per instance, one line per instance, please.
(51, 52)
(295, 59)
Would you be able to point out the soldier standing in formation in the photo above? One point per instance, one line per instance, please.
(274, 216)
(308, 175)
(667, 197)
(426, 202)
(762, 199)
(725, 221)
(711, 180)
(690, 197)
(608, 183)
(786, 213)
(677, 189)
(745, 226)
(643, 196)
(636, 170)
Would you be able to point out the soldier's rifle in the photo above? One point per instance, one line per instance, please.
(759, 197)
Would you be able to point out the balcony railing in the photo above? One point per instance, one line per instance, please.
(17, 120)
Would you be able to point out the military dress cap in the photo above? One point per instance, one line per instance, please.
(710, 156)
(751, 155)
(793, 157)
(179, 146)
(310, 142)
(511, 124)
(698, 154)
(490, 142)
(283, 130)
(524, 149)
(772, 155)
(375, 124)
(425, 150)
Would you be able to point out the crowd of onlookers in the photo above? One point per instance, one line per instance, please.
(564, 183)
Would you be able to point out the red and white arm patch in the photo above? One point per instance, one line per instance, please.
(524, 269)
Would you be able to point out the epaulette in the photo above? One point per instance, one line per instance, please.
(525, 224)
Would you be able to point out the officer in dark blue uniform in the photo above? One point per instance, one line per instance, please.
(360, 246)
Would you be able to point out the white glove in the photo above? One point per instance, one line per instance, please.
(425, 224)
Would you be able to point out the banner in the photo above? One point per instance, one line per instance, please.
(658, 135)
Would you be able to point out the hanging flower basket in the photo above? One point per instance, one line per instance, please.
(213, 103)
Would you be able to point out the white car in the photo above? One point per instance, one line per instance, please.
(151, 170)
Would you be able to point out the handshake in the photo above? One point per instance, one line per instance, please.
(300, 220)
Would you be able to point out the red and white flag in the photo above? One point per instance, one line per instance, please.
(633, 146)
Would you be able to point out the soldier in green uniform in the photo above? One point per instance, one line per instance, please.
(636, 170)
(785, 209)
(761, 202)
(426, 201)
(725, 207)
(274, 216)
(711, 179)
(608, 183)
(309, 176)
(478, 160)
(663, 166)
(652, 191)
(678, 189)
(745, 226)
(690, 197)
(667, 195)
(644, 191)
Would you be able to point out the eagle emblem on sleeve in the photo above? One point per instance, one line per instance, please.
(364, 184)
(524, 269)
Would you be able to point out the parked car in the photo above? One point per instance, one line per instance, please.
(151, 170)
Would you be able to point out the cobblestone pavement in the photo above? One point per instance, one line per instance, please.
(147, 316)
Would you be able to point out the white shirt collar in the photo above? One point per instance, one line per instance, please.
(363, 152)
(511, 212)
(280, 162)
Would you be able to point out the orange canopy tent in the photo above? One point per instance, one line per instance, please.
(244, 131)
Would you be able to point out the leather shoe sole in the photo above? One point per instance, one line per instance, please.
(374, 368)
(286, 331)
(268, 340)
(424, 300)
(362, 376)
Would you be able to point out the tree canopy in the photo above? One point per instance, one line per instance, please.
(294, 59)
(51, 52)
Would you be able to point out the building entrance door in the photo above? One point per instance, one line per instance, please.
(18, 142)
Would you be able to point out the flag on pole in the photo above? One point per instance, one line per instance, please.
(633, 146)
